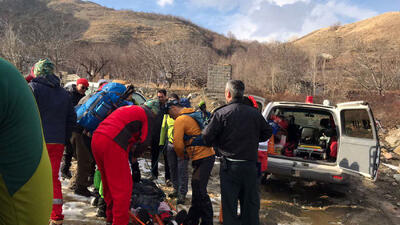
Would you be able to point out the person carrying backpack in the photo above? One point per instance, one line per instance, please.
(188, 143)
(127, 129)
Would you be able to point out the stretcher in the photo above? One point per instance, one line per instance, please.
(155, 218)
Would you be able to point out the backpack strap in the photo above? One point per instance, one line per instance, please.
(197, 140)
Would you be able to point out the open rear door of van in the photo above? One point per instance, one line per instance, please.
(359, 148)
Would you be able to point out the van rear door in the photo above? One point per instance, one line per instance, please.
(359, 148)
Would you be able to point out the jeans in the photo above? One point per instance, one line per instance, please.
(178, 170)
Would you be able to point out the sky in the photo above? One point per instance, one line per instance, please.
(262, 20)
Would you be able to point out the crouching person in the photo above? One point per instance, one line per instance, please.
(187, 143)
(126, 129)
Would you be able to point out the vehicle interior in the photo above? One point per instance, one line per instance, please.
(306, 134)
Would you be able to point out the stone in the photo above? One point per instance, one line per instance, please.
(397, 177)
(388, 155)
(397, 150)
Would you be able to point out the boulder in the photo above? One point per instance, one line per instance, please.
(397, 150)
(393, 138)
(397, 177)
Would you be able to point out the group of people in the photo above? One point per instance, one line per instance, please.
(166, 124)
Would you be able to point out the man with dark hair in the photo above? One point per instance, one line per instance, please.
(155, 147)
(77, 92)
(186, 131)
(236, 129)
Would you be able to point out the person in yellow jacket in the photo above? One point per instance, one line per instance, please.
(178, 167)
(26, 191)
(186, 132)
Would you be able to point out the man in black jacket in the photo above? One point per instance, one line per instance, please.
(77, 92)
(236, 129)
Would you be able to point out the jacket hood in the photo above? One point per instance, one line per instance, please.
(187, 110)
(50, 80)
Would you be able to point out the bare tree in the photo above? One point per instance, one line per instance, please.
(375, 67)
(12, 48)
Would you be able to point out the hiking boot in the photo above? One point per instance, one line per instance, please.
(181, 199)
(173, 194)
(101, 211)
(83, 191)
(55, 222)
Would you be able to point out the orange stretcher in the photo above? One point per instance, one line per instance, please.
(156, 218)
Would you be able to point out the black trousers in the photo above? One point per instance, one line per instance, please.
(239, 182)
(68, 154)
(201, 208)
(155, 155)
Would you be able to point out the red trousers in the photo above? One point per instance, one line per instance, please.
(55, 154)
(113, 163)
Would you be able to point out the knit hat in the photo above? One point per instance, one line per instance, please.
(153, 105)
(82, 81)
(44, 67)
(202, 103)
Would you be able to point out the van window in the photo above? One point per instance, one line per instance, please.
(356, 123)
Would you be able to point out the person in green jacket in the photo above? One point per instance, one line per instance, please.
(178, 167)
(26, 191)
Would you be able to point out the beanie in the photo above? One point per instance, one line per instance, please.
(82, 81)
(43, 67)
(153, 105)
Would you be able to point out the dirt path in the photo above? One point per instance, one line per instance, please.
(286, 201)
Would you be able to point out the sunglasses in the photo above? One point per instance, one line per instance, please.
(84, 88)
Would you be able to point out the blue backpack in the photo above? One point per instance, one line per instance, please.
(202, 122)
(100, 105)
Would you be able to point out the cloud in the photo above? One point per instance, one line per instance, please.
(163, 3)
(266, 20)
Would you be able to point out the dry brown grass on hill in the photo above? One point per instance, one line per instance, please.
(122, 26)
(384, 28)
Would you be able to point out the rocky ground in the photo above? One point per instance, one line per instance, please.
(294, 201)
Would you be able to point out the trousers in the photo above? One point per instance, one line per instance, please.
(55, 154)
(239, 182)
(113, 163)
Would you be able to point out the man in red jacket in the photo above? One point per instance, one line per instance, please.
(127, 129)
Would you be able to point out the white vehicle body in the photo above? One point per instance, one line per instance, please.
(357, 154)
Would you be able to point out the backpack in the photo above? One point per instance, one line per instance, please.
(101, 104)
(202, 122)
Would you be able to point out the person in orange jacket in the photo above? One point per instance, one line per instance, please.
(203, 158)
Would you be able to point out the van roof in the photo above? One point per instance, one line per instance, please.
(353, 103)
(304, 104)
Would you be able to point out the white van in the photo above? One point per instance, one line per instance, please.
(306, 135)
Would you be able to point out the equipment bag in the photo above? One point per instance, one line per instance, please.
(147, 195)
(100, 105)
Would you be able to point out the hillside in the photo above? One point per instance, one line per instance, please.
(122, 26)
(383, 28)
